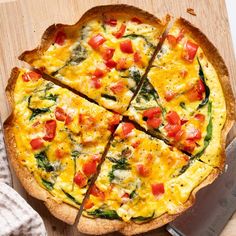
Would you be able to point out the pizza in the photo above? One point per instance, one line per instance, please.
(119, 121)
(103, 56)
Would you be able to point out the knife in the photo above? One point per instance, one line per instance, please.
(214, 204)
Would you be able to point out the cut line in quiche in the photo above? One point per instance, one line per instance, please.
(185, 99)
(62, 138)
(103, 56)
(177, 98)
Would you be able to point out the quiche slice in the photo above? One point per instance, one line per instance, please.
(103, 56)
(186, 98)
(141, 185)
(55, 139)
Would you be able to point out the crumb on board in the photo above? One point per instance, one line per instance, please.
(191, 11)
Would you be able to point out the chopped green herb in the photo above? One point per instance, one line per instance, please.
(51, 96)
(134, 74)
(48, 185)
(71, 197)
(134, 36)
(133, 194)
(78, 55)
(182, 104)
(43, 162)
(107, 96)
(104, 214)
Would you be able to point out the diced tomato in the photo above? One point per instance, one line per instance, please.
(142, 170)
(181, 35)
(136, 144)
(120, 32)
(68, 120)
(90, 167)
(137, 57)
(173, 118)
(189, 145)
(169, 95)
(88, 204)
(36, 143)
(96, 41)
(122, 64)
(190, 51)
(31, 75)
(152, 112)
(154, 122)
(158, 189)
(125, 195)
(99, 73)
(113, 122)
(200, 117)
(172, 130)
(96, 82)
(200, 86)
(136, 20)
(108, 53)
(110, 21)
(95, 191)
(193, 133)
(127, 129)
(59, 153)
(126, 46)
(183, 73)
(110, 64)
(118, 87)
(50, 127)
(171, 40)
(60, 114)
(80, 179)
(60, 38)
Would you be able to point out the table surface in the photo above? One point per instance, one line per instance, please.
(22, 23)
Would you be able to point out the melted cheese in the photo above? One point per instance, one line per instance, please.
(75, 136)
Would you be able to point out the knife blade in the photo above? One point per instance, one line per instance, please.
(214, 205)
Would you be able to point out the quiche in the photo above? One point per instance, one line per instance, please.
(119, 121)
(103, 56)
(62, 137)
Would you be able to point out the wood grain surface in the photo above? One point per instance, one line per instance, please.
(22, 23)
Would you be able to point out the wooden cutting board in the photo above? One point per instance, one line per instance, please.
(22, 23)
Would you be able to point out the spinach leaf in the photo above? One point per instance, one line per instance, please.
(36, 111)
(134, 74)
(43, 162)
(143, 218)
(147, 92)
(104, 214)
(119, 164)
(182, 104)
(51, 96)
(207, 89)
(107, 96)
(133, 194)
(71, 197)
(48, 185)
(134, 36)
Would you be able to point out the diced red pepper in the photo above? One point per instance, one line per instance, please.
(173, 118)
(126, 46)
(96, 41)
(60, 114)
(154, 122)
(200, 86)
(158, 189)
(110, 21)
(122, 64)
(120, 32)
(193, 133)
(50, 127)
(113, 122)
(189, 51)
(136, 144)
(110, 64)
(127, 129)
(68, 120)
(200, 117)
(59, 153)
(183, 121)
(178, 135)
(88, 204)
(189, 145)
(136, 20)
(60, 38)
(118, 87)
(171, 40)
(80, 179)
(36, 143)
(90, 167)
(96, 82)
(137, 57)
(169, 95)
(95, 191)
(172, 130)
(31, 75)
(142, 170)
(108, 53)
(99, 73)
(152, 112)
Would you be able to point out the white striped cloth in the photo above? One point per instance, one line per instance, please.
(17, 217)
